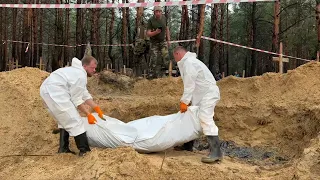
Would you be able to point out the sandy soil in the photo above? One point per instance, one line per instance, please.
(277, 113)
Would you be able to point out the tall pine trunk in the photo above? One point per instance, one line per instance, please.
(14, 33)
(110, 37)
(253, 70)
(67, 35)
(79, 27)
(213, 45)
(221, 46)
(200, 25)
(318, 22)
(124, 36)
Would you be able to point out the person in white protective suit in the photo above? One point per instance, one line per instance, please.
(63, 92)
(201, 90)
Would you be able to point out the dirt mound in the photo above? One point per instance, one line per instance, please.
(159, 87)
(24, 121)
(120, 81)
(308, 166)
(273, 111)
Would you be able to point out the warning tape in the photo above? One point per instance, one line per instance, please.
(111, 5)
(93, 45)
(255, 49)
(72, 46)
(177, 41)
(183, 41)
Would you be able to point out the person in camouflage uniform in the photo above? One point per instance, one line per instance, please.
(140, 49)
(158, 31)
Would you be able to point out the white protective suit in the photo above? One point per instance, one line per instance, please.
(63, 91)
(200, 88)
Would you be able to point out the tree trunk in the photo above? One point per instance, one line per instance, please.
(34, 48)
(200, 32)
(2, 62)
(14, 33)
(105, 53)
(95, 33)
(194, 24)
(67, 35)
(228, 38)
(5, 32)
(275, 36)
(184, 26)
(253, 70)
(57, 61)
(79, 49)
(130, 53)
(40, 16)
(213, 45)
(110, 37)
(318, 21)
(124, 35)
(25, 37)
(139, 21)
(221, 46)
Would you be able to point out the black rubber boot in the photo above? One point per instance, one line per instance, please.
(188, 146)
(215, 151)
(82, 143)
(64, 142)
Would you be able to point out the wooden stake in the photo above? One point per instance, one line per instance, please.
(40, 65)
(17, 64)
(124, 69)
(144, 74)
(164, 157)
(243, 73)
(107, 67)
(170, 69)
(222, 74)
(318, 54)
(280, 59)
(11, 65)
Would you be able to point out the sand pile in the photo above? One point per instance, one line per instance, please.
(159, 87)
(273, 111)
(24, 125)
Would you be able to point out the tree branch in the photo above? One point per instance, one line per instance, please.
(295, 23)
(290, 5)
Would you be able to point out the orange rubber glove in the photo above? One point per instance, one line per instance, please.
(98, 110)
(91, 119)
(183, 107)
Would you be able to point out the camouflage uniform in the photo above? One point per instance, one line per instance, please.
(159, 59)
(140, 49)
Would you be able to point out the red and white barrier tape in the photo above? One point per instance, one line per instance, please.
(177, 41)
(93, 45)
(188, 40)
(72, 46)
(110, 5)
(255, 49)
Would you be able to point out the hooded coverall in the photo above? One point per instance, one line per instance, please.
(200, 88)
(63, 91)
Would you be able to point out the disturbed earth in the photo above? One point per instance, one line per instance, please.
(269, 126)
